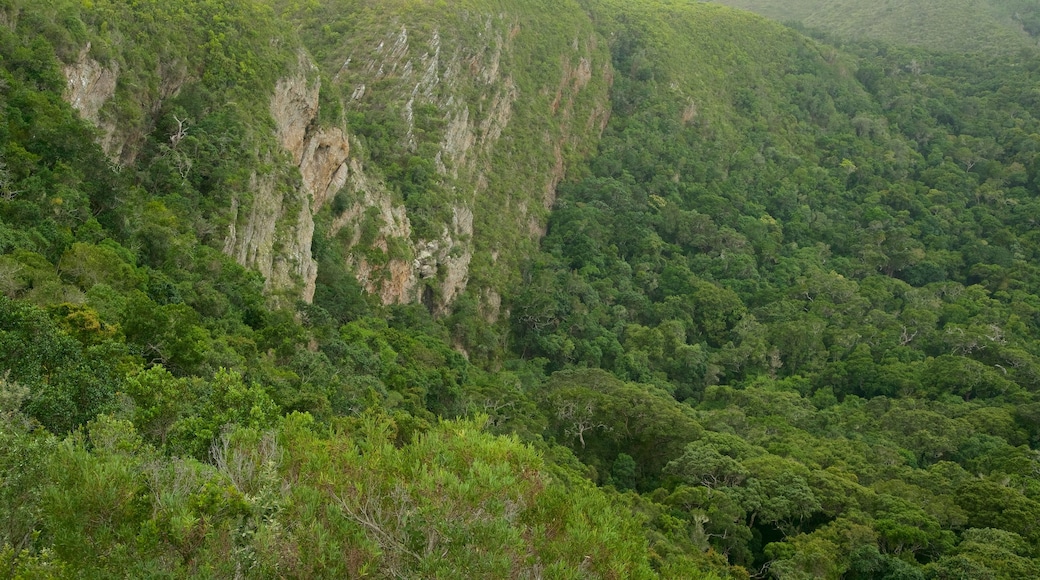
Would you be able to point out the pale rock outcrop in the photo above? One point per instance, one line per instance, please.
(294, 106)
(320, 153)
(89, 85)
(275, 238)
(252, 243)
(397, 281)
(425, 76)
(274, 233)
(323, 165)
(296, 263)
(448, 257)
(471, 86)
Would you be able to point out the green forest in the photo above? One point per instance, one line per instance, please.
(992, 26)
(780, 319)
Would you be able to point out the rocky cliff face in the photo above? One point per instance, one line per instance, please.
(499, 147)
(275, 237)
(486, 110)
(89, 86)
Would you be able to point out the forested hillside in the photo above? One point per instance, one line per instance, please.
(593, 289)
(992, 26)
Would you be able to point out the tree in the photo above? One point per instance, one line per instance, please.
(638, 420)
(991, 505)
(160, 401)
(68, 384)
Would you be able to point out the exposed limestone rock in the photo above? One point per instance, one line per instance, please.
(455, 263)
(296, 262)
(468, 138)
(252, 244)
(284, 257)
(321, 156)
(574, 79)
(472, 85)
(463, 132)
(458, 139)
(499, 114)
(324, 164)
(90, 85)
(396, 282)
(499, 145)
(448, 257)
(273, 233)
(372, 194)
(294, 107)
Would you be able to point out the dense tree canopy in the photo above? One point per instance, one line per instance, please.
(784, 321)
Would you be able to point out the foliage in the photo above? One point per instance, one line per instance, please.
(783, 321)
(954, 26)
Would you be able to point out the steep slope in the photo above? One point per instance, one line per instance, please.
(429, 138)
(957, 26)
(465, 118)
(197, 100)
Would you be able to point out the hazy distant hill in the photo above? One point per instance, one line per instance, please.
(948, 25)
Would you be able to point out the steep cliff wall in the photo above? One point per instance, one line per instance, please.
(90, 85)
(276, 236)
(168, 111)
(434, 149)
(465, 121)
